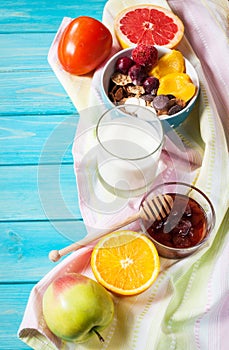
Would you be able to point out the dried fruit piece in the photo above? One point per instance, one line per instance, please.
(177, 84)
(137, 74)
(151, 85)
(123, 64)
(172, 62)
(145, 55)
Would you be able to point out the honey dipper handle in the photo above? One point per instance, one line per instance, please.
(55, 255)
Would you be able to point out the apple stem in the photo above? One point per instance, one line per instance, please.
(98, 335)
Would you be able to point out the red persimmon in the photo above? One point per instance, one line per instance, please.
(84, 44)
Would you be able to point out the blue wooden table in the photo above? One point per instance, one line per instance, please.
(38, 203)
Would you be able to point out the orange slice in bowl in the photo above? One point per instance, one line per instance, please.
(171, 62)
(125, 262)
(149, 25)
(177, 84)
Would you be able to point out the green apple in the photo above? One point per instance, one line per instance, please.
(75, 307)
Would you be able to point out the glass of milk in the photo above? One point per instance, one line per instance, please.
(130, 140)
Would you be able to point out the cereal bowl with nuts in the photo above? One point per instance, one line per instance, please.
(156, 77)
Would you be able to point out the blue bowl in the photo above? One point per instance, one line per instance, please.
(173, 120)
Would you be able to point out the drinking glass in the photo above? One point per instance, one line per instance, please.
(130, 140)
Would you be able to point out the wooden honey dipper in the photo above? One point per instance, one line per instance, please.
(155, 208)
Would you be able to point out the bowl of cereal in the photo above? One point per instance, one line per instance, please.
(156, 77)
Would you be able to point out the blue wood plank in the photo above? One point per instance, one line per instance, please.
(25, 50)
(25, 139)
(14, 299)
(33, 92)
(44, 15)
(38, 192)
(25, 247)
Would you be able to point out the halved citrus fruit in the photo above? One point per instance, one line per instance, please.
(125, 262)
(149, 25)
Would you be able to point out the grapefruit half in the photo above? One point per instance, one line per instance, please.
(149, 25)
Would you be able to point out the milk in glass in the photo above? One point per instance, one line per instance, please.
(129, 152)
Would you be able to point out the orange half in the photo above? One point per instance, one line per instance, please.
(125, 262)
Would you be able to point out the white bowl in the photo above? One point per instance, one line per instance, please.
(175, 119)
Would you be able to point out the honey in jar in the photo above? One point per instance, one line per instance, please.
(184, 227)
